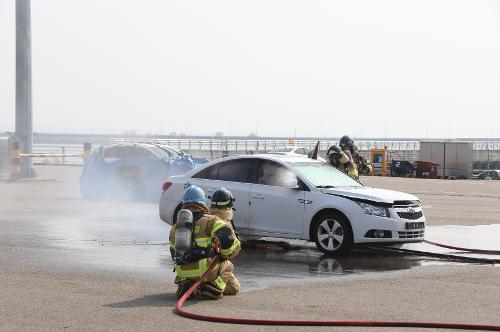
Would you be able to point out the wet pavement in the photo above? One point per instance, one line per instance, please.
(135, 245)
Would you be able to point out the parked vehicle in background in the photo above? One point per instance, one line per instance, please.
(492, 174)
(130, 171)
(402, 168)
(300, 198)
(296, 151)
(426, 169)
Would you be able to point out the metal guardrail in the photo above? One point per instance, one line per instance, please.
(221, 144)
(269, 144)
(216, 147)
(55, 154)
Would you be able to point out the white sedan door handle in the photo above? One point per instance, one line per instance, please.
(257, 196)
(304, 201)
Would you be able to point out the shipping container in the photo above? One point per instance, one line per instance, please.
(454, 157)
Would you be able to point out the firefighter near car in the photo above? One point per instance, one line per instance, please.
(342, 160)
(222, 206)
(196, 240)
(363, 165)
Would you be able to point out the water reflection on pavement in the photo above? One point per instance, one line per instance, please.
(129, 245)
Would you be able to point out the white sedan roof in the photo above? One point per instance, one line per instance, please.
(276, 157)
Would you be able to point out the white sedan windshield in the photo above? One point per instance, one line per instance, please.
(324, 176)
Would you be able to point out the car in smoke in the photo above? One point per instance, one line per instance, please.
(300, 198)
(179, 154)
(297, 151)
(130, 171)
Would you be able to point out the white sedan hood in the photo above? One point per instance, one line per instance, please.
(371, 194)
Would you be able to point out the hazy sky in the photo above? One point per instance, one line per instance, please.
(310, 68)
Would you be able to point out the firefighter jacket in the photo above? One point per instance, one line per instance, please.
(209, 231)
(224, 214)
(342, 160)
(349, 166)
(364, 165)
(227, 216)
(352, 171)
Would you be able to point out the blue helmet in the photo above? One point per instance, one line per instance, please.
(194, 194)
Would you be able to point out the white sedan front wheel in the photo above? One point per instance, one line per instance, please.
(332, 234)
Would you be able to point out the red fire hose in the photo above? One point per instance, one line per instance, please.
(249, 321)
(477, 251)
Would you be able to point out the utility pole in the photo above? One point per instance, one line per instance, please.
(24, 115)
(488, 151)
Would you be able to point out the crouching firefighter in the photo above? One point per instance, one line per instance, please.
(195, 240)
(222, 207)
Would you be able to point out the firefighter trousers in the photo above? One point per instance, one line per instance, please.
(226, 273)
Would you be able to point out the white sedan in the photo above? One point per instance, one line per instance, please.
(292, 197)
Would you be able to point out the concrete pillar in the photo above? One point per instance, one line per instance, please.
(24, 116)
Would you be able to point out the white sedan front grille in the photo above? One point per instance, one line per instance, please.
(411, 234)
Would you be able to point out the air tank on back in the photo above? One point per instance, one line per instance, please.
(184, 232)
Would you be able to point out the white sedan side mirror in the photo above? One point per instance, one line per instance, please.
(291, 184)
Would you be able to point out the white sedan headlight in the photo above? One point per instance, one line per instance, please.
(373, 209)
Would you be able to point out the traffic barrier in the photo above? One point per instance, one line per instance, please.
(16, 155)
(15, 161)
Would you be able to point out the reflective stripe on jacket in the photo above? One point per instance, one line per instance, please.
(226, 215)
(353, 172)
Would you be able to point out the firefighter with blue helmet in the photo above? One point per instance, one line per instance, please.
(194, 194)
(195, 240)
